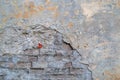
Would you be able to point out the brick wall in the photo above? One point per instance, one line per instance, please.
(56, 60)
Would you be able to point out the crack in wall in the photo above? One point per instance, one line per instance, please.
(58, 59)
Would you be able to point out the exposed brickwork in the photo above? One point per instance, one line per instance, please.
(55, 61)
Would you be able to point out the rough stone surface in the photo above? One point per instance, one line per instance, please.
(80, 37)
(57, 60)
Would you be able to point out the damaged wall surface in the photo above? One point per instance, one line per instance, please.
(21, 59)
(80, 38)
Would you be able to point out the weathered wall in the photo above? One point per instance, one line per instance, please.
(89, 27)
(21, 59)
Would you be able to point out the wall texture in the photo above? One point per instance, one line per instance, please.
(81, 39)
(22, 60)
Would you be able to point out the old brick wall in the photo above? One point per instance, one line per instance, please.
(57, 60)
(90, 28)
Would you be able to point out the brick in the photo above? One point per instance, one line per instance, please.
(69, 64)
(7, 65)
(23, 65)
(32, 58)
(58, 56)
(14, 58)
(37, 70)
(20, 58)
(31, 52)
(50, 58)
(62, 52)
(57, 70)
(47, 51)
(76, 71)
(63, 76)
(38, 76)
(57, 64)
(40, 64)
